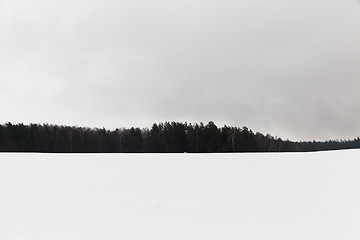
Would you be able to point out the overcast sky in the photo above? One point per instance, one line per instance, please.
(288, 68)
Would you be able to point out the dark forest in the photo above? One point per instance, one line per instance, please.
(168, 137)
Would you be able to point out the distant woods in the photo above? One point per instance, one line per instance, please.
(168, 137)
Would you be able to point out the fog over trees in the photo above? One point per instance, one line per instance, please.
(168, 137)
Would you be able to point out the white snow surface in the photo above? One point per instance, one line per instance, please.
(180, 196)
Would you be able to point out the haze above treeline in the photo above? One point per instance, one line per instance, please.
(167, 137)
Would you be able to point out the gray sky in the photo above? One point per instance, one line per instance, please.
(288, 68)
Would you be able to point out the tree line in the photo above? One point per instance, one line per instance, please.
(168, 137)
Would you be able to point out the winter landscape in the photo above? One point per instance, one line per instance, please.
(180, 196)
(100, 99)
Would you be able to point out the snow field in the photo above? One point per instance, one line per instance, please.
(180, 196)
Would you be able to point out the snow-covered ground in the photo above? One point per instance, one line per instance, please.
(180, 196)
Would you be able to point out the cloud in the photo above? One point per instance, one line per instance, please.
(287, 68)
